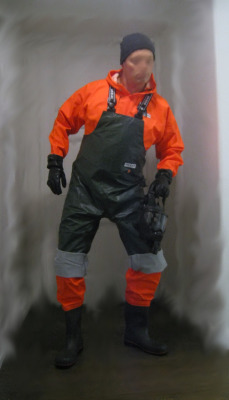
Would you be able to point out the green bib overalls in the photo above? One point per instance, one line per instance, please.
(107, 182)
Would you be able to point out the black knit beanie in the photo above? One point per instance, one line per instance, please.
(133, 42)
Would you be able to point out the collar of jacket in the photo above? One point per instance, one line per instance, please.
(112, 81)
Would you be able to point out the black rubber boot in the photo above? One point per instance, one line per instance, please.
(136, 332)
(74, 343)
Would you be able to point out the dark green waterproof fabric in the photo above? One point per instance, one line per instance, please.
(107, 181)
(113, 155)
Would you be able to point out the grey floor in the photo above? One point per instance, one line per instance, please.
(107, 369)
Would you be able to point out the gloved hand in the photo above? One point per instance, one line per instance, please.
(56, 173)
(152, 224)
(160, 186)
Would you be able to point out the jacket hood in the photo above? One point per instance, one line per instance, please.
(112, 80)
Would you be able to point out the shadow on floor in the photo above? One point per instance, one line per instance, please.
(108, 370)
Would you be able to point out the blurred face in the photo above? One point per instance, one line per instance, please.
(137, 69)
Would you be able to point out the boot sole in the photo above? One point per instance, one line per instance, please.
(68, 365)
(136, 345)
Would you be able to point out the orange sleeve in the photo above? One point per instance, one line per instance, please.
(70, 118)
(170, 146)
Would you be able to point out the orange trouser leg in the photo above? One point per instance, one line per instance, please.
(70, 292)
(140, 287)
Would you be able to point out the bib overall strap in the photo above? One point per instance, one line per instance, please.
(111, 102)
(143, 106)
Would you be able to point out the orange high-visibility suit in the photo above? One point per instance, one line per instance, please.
(85, 107)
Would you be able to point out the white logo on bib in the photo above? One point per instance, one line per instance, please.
(128, 165)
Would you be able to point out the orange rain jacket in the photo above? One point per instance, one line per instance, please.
(87, 104)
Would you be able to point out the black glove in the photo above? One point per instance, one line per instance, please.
(56, 173)
(160, 186)
(152, 223)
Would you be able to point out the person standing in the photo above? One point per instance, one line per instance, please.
(123, 117)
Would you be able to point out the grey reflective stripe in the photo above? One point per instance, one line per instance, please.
(70, 265)
(148, 262)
